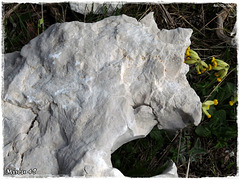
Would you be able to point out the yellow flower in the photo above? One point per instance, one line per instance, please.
(210, 102)
(201, 67)
(214, 64)
(204, 70)
(213, 59)
(209, 67)
(187, 52)
(231, 103)
(220, 65)
(204, 109)
(222, 73)
(191, 55)
(206, 105)
(235, 98)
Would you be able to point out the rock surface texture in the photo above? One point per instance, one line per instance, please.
(95, 8)
(79, 91)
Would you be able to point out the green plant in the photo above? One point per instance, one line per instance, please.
(218, 125)
(41, 21)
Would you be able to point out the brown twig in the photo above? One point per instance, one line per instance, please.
(179, 145)
(167, 17)
(39, 16)
(211, 21)
(145, 13)
(191, 25)
(168, 147)
(10, 12)
(203, 16)
(220, 29)
(188, 167)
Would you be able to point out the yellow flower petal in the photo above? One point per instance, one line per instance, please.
(214, 64)
(204, 70)
(231, 103)
(219, 79)
(209, 67)
(215, 102)
(213, 59)
(187, 52)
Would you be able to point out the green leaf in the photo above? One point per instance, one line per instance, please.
(40, 22)
(197, 144)
(197, 149)
(203, 131)
(156, 135)
(230, 132)
(220, 144)
(226, 91)
(182, 158)
(218, 119)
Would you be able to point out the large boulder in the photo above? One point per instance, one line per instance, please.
(79, 91)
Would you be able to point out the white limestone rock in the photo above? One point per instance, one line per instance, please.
(78, 91)
(95, 8)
